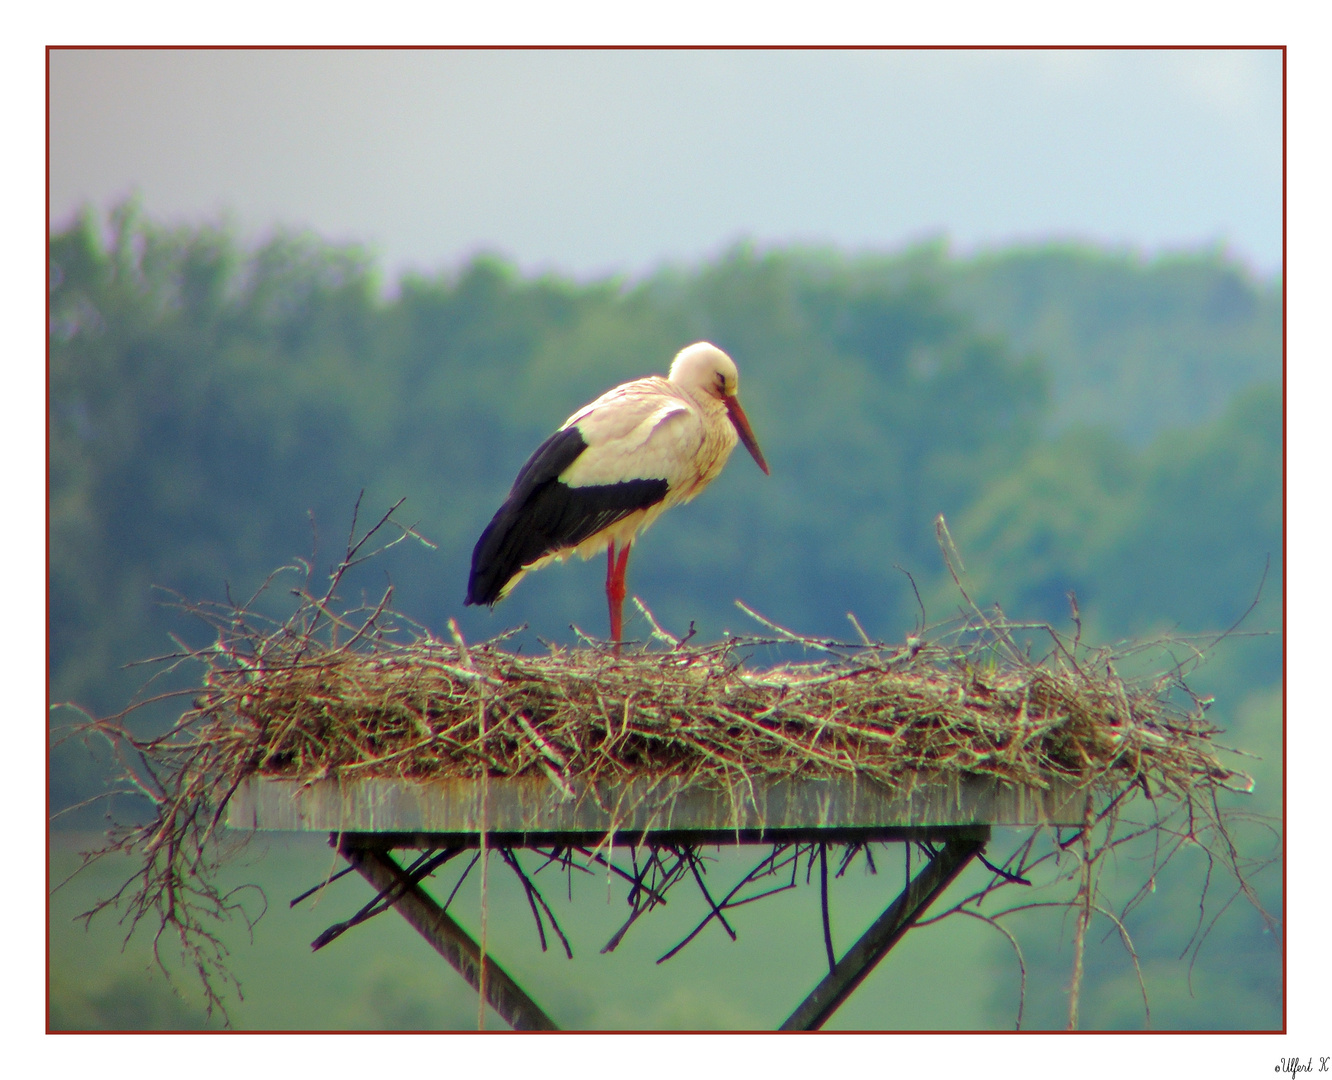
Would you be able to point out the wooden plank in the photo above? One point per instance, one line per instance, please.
(534, 806)
(869, 834)
(886, 932)
(448, 939)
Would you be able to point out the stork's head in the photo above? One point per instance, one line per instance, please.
(704, 370)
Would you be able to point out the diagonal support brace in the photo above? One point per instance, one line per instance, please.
(447, 938)
(887, 930)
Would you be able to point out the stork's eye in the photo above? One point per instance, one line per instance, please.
(721, 382)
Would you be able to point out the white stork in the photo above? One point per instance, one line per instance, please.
(610, 469)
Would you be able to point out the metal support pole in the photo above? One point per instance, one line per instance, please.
(447, 938)
(887, 930)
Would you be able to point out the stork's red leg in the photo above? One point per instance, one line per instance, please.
(615, 568)
(615, 610)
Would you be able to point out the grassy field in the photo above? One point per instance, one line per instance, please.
(381, 975)
(959, 974)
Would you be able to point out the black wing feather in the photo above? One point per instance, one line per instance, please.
(542, 515)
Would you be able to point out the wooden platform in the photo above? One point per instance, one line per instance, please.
(535, 810)
(949, 819)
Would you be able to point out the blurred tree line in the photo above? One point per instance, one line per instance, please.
(1088, 422)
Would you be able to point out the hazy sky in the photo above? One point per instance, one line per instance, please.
(604, 161)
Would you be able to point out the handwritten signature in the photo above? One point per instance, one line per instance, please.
(1296, 1065)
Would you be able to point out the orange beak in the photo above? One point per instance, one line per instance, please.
(746, 433)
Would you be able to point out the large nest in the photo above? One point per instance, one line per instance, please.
(293, 704)
(366, 693)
